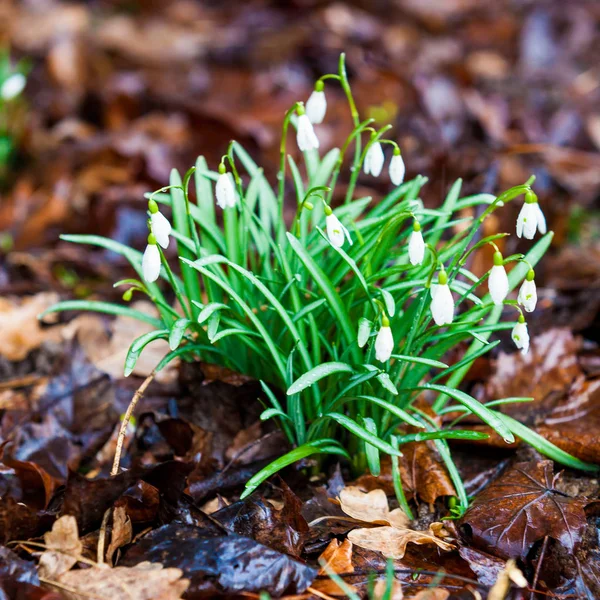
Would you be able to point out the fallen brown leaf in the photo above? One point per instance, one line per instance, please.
(63, 548)
(371, 507)
(336, 558)
(121, 532)
(502, 586)
(379, 591)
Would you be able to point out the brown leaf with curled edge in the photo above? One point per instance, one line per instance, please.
(145, 581)
(370, 507)
(522, 507)
(121, 532)
(336, 558)
(63, 548)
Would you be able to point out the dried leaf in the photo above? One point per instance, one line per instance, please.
(121, 532)
(63, 548)
(370, 507)
(337, 558)
(510, 573)
(379, 591)
(432, 594)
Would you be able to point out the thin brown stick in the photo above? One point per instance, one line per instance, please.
(138, 394)
(102, 537)
(538, 568)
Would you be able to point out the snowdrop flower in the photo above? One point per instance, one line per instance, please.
(531, 217)
(305, 135)
(498, 281)
(527, 297)
(225, 190)
(336, 232)
(316, 105)
(442, 302)
(384, 343)
(12, 86)
(520, 335)
(151, 260)
(416, 245)
(374, 160)
(159, 225)
(397, 168)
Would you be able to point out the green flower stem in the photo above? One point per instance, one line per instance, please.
(191, 222)
(180, 297)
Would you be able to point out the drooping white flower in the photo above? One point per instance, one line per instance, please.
(305, 135)
(498, 281)
(316, 105)
(397, 168)
(374, 160)
(531, 218)
(520, 335)
(527, 297)
(336, 232)
(416, 245)
(151, 260)
(384, 342)
(13, 86)
(442, 302)
(225, 189)
(159, 225)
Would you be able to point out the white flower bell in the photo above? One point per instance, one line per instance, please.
(305, 135)
(442, 302)
(416, 245)
(316, 105)
(520, 335)
(336, 232)
(225, 189)
(397, 168)
(384, 342)
(159, 225)
(151, 260)
(12, 86)
(527, 297)
(531, 218)
(498, 280)
(374, 160)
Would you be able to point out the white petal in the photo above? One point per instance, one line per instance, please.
(416, 248)
(527, 297)
(306, 137)
(335, 231)
(541, 219)
(13, 86)
(442, 304)
(374, 160)
(225, 191)
(151, 263)
(520, 337)
(397, 169)
(527, 221)
(498, 284)
(384, 344)
(161, 228)
(316, 106)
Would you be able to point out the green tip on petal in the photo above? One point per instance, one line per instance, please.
(151, 240)
(442, 278)
(521, 319)
(396, 151)
(530, 275)
(416, 226)
(385, 322)
(319, 86)
(300, 109)
(152, 206)
(309, 205)
(530, 197)
(498, 260)
(128, 294)
(328, 210)
(222, 169)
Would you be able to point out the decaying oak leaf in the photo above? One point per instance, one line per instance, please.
(63, 548)
(390, 539)
(145, 581)
(522, 507)
(370, 507)
(336, 558)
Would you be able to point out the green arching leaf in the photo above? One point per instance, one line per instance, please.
(297, 178)
(207, 310)
(326, 167)
(269, 413)
(390, 303)
(353, 427)
(138, 345)
(325, 446)
(419, 359)
(316, 374)
(448, 207)
(106, 308)
(371, 451)
(386, 382)
(364, 331)
(178, 330)
(206, 203)
(447, 434)
(212, 328)
(392, 408)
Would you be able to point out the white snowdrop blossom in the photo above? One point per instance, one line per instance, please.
(416, 245)
(520, 335)
(305, 135)
(159, 225)
(397, 168)
(336, 232)
(151, 261)
(527, 297)
(531, 218)
(225, 189)
(384, 342)
(374, 160)
(498, 281)
(442, 302)
(316, 105)
(13, 86)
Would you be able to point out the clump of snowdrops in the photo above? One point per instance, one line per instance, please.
(347, 313)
